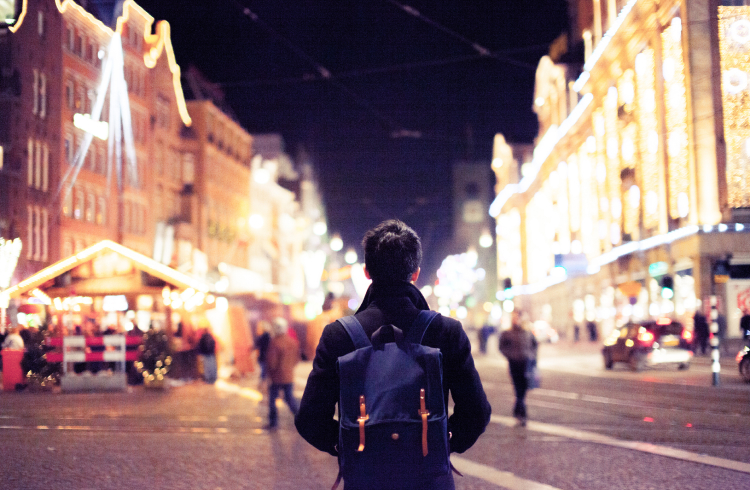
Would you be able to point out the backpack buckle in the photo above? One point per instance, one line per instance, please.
(424, 413)
(361, 419)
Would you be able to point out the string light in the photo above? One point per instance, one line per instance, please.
(734, 35)
(649, 138)
(675, 104)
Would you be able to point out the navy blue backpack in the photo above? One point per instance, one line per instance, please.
(393, 431)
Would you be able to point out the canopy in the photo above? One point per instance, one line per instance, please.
(104, 268)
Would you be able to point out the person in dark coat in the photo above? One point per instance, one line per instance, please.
(519, 346)
(700, 332)
(392, 255)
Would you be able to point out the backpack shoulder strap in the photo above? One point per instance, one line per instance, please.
(355, 331)
(420, 325)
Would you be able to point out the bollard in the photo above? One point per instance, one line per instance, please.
(715, 366)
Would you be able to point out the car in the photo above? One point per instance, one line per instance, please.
(743, 362)
(544, 332)
(648, 343)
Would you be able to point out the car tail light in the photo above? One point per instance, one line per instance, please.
(739, 356)
(687, 335)
(645, 336)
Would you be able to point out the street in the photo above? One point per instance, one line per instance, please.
(589, 429)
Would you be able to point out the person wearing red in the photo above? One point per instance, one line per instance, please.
(282, 357)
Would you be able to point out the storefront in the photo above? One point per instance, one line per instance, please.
(108, 289)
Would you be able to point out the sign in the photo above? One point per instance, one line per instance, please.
(631, 289)
(658, 269)
(10, 250)
(100, 129)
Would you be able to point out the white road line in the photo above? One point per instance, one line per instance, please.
(645, 447)
(503, 479)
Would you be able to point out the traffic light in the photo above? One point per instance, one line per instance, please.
(667, 287)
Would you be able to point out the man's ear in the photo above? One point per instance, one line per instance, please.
(415, 276)
(367, 273)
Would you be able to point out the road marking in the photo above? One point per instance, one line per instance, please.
(581, 435)
(503, 479)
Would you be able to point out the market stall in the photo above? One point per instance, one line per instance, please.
(95, 301)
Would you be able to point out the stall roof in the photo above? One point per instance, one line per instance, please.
(141, 262)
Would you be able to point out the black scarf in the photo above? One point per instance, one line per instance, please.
(398, 289)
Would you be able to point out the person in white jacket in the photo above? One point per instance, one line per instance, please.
(13, 340)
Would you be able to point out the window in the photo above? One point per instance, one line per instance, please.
(37, 233)
(45, 235)
(42, 95)
(80, 43)
(29, 231)
(37, 165)
(67, 205)
(188, 168)
(70, 94)
(81, 99)
(90, 207)
(45, 167)
(78, 205)
(68, 148)
(71, 38)
(101, 163)
(101, 211)
(40, 23)
(30, 163)
(35, 96)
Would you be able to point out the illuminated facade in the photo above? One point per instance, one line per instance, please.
(55, 54)
(631, 181)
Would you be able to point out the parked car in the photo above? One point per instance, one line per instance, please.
(743, 362)
(648, 343)
(544, 332)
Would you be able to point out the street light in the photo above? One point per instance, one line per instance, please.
(485, 240)
(255, 221)
(350, 257)
(336, 243)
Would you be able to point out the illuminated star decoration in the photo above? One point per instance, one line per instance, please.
(120, 126)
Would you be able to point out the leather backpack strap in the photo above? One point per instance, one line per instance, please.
(355, 331)
(424, 319)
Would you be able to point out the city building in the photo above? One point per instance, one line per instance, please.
(95, 111)
(635, 203)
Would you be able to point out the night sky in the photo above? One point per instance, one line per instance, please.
(382, 98)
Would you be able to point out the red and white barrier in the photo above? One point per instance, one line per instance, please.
(77, 348)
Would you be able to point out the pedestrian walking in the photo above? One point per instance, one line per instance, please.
(392, 254)
(700, 332)
(283, 355)
(262, 341)
(207, 351)
(519, 346)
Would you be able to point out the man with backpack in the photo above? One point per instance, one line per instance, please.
(379, 366)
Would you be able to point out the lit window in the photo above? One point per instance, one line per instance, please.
(101, 211)
(78, 205)
(42, 95)
(35, 96)
(40, 23)
(37, 165)
(71, 38)
(30, 163)
(45, 235)
(37, 233)
(90, 207)
(45, 167)
(29, 231)
(67, 205)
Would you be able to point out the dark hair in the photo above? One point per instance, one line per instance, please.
(393, 251)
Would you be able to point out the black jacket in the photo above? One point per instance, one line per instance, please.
(398, 304)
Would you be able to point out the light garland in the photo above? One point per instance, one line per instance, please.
(675, 103)
(574, 193)
(645, 69)
(612, 142)
(734, 49)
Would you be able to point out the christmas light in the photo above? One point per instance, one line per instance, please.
(734, 35)
(675, 104)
